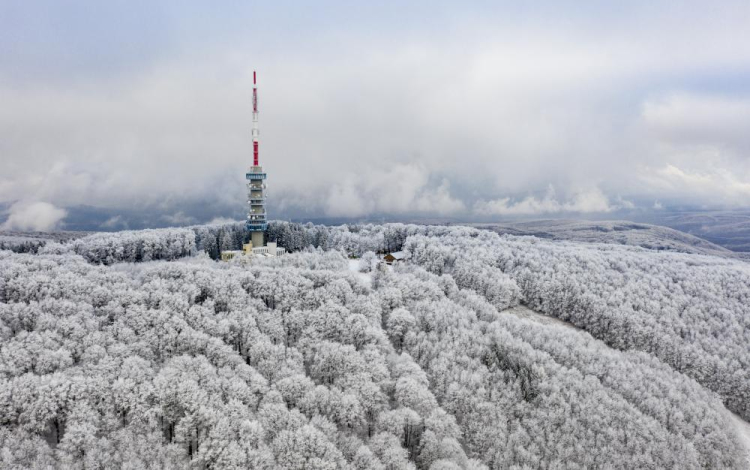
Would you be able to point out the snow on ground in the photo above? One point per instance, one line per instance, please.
(741, 426)
(354, 267)
(525, 312)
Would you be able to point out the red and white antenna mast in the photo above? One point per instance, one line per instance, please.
(257, 224)
(255, 121)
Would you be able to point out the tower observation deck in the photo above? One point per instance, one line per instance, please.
(257, 223)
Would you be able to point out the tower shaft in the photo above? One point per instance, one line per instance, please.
(256, 187)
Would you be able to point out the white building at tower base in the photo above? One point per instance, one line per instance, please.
(248, 250)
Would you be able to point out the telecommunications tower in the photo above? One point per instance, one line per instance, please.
(256, 187)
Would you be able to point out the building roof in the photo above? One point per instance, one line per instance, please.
(398, 254)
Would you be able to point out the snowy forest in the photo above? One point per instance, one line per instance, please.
(139, 350)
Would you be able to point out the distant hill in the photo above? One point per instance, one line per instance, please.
(730, 229)
(653, 237)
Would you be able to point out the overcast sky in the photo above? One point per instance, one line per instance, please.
(451, 109)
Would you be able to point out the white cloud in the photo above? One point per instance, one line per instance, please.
(686, 118)
(695, 185)
(114, 222)
(403, 122)
(344, 200)
(179, 219)
(221, 221)
(438, 201)
(34, 216)
(623, 204)
(590, 200)
(393, 189)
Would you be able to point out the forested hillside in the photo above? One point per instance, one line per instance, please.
(111, 356)
(653, 237)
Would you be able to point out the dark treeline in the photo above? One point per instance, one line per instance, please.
(135, 246)
(31, 242)
(21, 244)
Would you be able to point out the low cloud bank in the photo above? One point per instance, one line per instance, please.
(403, 122)
(399, 189)
(34, 216)
(591, 200)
